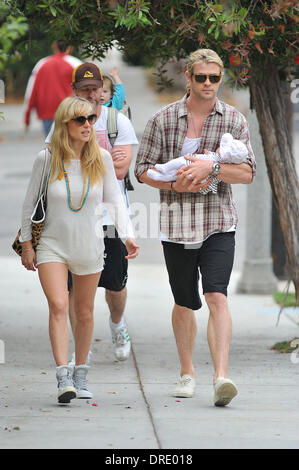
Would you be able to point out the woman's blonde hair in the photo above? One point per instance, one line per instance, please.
(91, 159)
(202, 56)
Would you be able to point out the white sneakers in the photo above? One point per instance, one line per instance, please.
(185, 387)
(224, 391)
(121, 342)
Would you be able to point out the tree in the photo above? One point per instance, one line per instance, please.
(257, 40)
(12, 27)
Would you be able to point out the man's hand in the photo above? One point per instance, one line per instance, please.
(198, 171)
(183, 185)
(122, 157)
(118, 154)
(132, 248)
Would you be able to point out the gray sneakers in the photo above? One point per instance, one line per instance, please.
(80, 382)
(66, 389)
(72, 383)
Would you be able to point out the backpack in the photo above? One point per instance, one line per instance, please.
(112, 134)
(126, 110)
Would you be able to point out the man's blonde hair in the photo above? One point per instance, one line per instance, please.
(202, 56)
(91, 159)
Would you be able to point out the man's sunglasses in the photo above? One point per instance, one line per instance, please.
(202, 77)
(81, 120)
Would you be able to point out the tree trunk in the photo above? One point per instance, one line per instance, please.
(269, 102)
(278, 249)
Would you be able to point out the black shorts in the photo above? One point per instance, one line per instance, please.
(214, 259)
(115, 273)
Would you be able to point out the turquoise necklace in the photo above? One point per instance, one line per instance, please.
(69, 194)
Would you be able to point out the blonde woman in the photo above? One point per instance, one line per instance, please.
(82, 177)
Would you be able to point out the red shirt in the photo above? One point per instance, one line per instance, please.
(49, 84)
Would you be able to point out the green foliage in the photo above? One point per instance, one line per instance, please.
(132, 15)
(11, 29)
(249, 35)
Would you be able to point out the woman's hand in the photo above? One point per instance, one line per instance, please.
(28, 257)
(132, 248)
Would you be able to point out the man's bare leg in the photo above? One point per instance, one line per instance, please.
(219, 332)
(184, 328)
(219, 337)
(116, 301)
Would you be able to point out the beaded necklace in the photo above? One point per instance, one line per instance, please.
(69, 194)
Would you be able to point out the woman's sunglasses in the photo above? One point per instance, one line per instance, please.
(81, 120)
(202, 77)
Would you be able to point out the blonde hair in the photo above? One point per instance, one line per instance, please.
(202, 56)
(108, 81)
(91, 159)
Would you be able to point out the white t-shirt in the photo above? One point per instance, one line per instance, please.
(126, 136)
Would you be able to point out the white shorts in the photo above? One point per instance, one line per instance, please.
(46, 255)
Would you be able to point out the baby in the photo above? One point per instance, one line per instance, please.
(231, 151)
(113, 93)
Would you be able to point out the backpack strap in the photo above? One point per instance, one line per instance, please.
(112, 134)
(112, 125)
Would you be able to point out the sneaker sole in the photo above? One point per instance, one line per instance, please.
(183, 395)
(122, 358)
(67, 395)
(225, 393)
(81, 396)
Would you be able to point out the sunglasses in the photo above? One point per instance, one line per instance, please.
(202, 77)
(81, 120)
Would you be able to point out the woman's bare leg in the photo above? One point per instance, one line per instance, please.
(53, 278)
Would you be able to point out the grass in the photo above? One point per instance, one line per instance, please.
(285, 346)
(290, 299)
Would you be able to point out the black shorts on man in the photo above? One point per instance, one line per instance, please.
(214, 259)
(115, 273)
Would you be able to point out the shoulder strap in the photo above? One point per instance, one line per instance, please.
(112, 134)
(112, 125)
(46, 173)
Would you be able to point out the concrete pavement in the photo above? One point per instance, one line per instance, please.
(132, 407)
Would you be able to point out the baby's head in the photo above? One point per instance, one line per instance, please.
(232, 149)
(108, 89)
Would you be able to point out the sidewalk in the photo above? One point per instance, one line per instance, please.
(132, 406)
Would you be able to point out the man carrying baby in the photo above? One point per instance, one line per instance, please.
(197, 229)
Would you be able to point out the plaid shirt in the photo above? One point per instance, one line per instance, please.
(192, 217)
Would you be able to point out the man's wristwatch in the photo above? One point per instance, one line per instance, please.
(216, 169)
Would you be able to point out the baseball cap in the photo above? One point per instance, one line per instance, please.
(87, 74)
